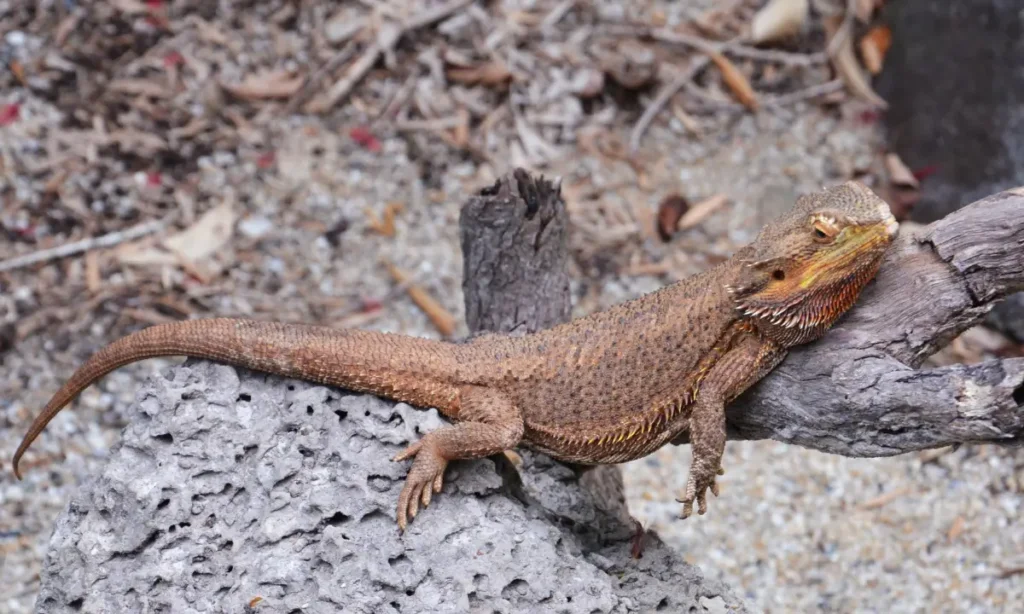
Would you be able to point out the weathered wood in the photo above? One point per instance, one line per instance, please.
(857, 392)
(515, 256)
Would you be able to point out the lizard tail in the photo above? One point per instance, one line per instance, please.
(414, 370)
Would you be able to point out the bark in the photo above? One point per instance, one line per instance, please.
(515, 256)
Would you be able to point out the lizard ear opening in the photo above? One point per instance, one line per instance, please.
(779, 275)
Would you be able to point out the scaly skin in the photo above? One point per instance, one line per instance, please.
(607, 388)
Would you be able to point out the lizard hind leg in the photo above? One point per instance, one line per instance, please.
(488, 423)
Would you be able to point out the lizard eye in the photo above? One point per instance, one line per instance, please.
(824, 232)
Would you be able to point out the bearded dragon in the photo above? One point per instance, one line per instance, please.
(610, 387)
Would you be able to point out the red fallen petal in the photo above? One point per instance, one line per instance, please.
(364, 137)
(371, 304)
(173, 59)
(925, 171)
(9, 113)
(153, 179)
(870, 116)
(266, 160)
(154, 5)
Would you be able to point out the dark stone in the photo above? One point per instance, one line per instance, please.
(954, 80)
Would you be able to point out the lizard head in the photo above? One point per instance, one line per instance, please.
(806, 268)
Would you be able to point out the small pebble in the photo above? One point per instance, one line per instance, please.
(255, 227)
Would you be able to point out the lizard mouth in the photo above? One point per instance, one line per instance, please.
(892, 227)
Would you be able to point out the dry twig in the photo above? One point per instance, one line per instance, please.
(77, 247)
(438, 315)
(732, 47)
(387, 36)
(666, 94)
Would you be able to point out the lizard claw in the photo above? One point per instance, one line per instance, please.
(425, 476)
(699, 482)
(409, 452)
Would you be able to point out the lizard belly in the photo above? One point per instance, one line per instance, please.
(613, 443)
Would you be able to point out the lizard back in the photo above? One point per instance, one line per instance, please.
(574, 378)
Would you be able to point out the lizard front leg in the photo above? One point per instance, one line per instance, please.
(751, 359)
(488, 423)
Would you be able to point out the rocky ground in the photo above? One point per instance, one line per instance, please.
(276, 202)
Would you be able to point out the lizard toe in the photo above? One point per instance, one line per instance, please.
(696, 491)
(424, 478)
(425, 497)
(414, 500)
(403, 505)
(408, 452)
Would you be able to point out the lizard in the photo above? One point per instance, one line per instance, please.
(605, 388)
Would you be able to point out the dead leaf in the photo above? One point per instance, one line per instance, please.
(956, 529)
(587, 82)
(139, 87)
(266, 86)
(358, 320)
(864, 9)
(148, 316)
(779, 19)
(901, 201)
(460, 135)
(514, 458)
(54, 183)
(130, 7)
(196, 243)
(672, 208)
(137, 141)
(639, 538)
(494, 72)
(736, 81)
(92, 272)
(885, 499)
(899, 174)
(385, 225)
(210, 233)
(64, 29)
(688, 121)
(632, 64)
(873, 47)
(845, 63)
(18, 70)
(254, 601)
(701, 211)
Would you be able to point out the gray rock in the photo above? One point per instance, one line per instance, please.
(230, 485)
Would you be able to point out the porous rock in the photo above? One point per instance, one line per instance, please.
(234, 491)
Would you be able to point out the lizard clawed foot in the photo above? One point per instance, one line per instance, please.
(701, 479)
(425, 478)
